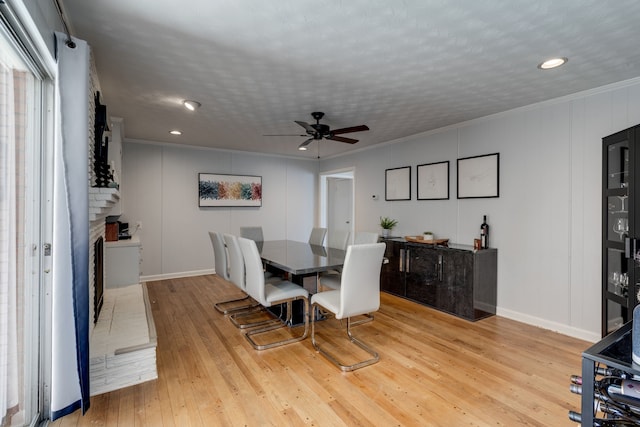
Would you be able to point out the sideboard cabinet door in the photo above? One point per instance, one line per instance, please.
(392, 273)
(423, 274)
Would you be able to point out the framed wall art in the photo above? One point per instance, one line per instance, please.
(229, 190)
(397, 183)
(479, 176)
(433, 181)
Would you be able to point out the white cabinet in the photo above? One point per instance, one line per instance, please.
(122, 263)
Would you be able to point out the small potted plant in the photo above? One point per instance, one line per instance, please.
(427, 235)
(387, 225)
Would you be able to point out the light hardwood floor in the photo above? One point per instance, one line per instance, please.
(434, 370)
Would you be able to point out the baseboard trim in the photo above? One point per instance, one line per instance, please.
(552, 326)
(177, 275)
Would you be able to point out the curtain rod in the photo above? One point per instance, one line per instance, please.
(70, 43)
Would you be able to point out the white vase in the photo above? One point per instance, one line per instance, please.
(385, 232)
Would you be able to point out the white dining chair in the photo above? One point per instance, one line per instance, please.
(268, 294)
(253, 233)
(219, 255)
(362, 237)
(359, 293)
(331, 280)
(338, 239)
(236, 276)
(317, 236)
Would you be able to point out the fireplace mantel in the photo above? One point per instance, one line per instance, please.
(101, 200)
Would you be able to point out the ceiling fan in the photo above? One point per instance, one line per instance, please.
(318, 131)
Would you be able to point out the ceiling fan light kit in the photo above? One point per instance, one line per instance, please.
(303, 146)
(191, 105)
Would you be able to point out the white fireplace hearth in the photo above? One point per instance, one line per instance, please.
(123, 340)
(123, 343)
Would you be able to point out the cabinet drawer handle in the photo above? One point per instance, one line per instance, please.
(407, 260)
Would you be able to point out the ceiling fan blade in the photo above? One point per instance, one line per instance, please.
(350, 129)
(303, 146)
(310, 130)
(342, 139)
(289, 134)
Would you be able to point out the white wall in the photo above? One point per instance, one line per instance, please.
(161, 191)
(45, 16)
(546, 223)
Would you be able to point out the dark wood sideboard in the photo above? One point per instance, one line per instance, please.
(454, 278)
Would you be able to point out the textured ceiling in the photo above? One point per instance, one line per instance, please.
(400, 67)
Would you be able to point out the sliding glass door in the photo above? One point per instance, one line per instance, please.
(22, 158)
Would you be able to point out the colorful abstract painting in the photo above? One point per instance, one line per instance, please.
(229, 190)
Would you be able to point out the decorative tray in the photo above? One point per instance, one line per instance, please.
(419, 239)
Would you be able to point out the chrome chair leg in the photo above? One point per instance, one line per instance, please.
(345, 368)
(220, 306)
(367, 318)
(238, 316)
(284, 323)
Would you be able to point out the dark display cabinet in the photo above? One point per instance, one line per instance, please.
(620, 274)
(455, 279)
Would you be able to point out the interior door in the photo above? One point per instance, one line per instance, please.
(339, 205)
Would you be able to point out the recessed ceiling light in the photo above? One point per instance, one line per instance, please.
(175, 132)
(302, 148)
(552, 63)
(191, 105)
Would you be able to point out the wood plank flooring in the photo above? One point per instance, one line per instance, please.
(434, 370)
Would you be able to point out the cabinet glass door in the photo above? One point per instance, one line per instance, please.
(618, 165)
(617, 218)
(618, 274)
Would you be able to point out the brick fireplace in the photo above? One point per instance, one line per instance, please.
(101, 200)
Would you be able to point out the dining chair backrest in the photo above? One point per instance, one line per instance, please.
(317, 236)
(254, 275)
(338, 239)
(236, 261)
(253, 233)
(362, 237)
(360, 283)
(220, 255)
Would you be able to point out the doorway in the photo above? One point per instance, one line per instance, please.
(337, 201)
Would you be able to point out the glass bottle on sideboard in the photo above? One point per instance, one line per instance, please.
(620, 233)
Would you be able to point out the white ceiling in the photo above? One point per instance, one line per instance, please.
(400, 67)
